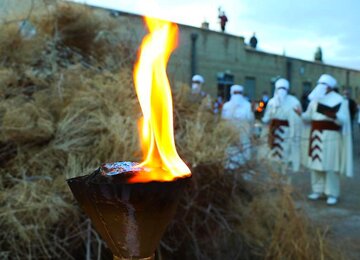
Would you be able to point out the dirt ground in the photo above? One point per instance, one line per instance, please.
(343, 219)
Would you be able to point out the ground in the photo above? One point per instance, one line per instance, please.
(343, 219)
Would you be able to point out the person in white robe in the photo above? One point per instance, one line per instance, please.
(238, 112)
(197, 82)
(330, 142)
(198, 95)
(284, 131)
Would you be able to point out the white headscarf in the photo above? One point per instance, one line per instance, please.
(323, 83)
(235, 107)
(197, 81)
(281, 90)
(238, 98)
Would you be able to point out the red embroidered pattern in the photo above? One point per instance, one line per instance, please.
(320, 126)
(274, 127)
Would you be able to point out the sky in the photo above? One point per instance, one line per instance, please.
(293, 28)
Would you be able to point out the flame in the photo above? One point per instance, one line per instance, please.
(154, 93)
(260, 107)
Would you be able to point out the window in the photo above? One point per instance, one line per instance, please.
(225, 81)
(250, 87)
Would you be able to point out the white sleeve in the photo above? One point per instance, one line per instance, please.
(226, 111)
(250, 114)
(307, 115)
(295, 125)
(268, 113)
(343, 115)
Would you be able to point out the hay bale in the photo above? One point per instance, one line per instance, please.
(17, 50)
(30, 213)
(27, 123)
(8, 78)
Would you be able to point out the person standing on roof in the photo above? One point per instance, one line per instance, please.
(223, 19)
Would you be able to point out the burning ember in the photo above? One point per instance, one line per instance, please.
(131, 204)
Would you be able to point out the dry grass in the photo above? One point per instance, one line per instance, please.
(63, 111)
(16, 50)
(280, 230)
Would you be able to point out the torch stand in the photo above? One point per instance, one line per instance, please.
(130, 217)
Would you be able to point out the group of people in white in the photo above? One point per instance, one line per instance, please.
(319, 138)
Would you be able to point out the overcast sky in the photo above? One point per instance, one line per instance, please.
(296, 28)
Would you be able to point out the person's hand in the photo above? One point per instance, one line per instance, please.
(298, 111)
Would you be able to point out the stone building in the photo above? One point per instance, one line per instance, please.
(224, 59)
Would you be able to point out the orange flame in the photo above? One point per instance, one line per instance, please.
(260, 107)
(153, 90)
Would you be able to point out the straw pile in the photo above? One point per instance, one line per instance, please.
(64, 110)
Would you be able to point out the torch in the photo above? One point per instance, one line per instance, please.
(130, 204)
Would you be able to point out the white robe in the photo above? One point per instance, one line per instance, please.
(286, 138)
(238, 112)
(330, 150)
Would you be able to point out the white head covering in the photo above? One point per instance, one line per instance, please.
(282, 83)
(328, 80)
(238, 98)
(323, 83)
(198, 78)
(281, 90)
(235, 107)
(197, 81)
(236, 88)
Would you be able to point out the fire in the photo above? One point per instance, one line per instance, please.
(161, 160)
(260, 107)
